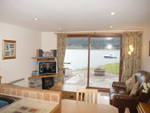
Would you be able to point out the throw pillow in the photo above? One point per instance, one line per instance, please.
(130, 83)
(135, 89)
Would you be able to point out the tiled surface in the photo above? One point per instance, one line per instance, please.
(7, 90)
(54, 97)
(25, 93)
(46, 96)
(13, 91)
(19, 92)
(2, 90)
(31, 93)
(39, 95)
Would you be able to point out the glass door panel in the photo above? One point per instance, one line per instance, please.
(104, 61)
(76, 61)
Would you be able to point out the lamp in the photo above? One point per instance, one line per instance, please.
(129, 52)
(130, 49)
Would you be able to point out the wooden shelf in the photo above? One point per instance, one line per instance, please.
(42, 76)
(52, 59)
(42, 57)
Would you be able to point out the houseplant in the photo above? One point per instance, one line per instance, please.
(146, 87)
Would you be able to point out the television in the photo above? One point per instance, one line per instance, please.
(47, 68)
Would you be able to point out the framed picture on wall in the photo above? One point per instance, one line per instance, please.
(9, 49)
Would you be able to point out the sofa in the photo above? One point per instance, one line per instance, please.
(120, 98)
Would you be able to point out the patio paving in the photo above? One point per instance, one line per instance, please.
(79, 77)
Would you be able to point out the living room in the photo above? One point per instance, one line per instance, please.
(17, 22)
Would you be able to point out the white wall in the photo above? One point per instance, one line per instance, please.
(48, 41)
(27, 41)
(145, 50)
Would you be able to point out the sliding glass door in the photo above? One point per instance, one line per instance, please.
(92, 61)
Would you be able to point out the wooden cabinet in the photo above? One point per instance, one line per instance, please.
(143, 107)
(68, 95)
(68, 91)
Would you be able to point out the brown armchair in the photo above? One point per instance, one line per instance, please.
(121, 99)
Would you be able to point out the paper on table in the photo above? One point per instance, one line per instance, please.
(23, 109)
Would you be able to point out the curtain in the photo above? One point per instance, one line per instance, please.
(131, 63)
(61, 48)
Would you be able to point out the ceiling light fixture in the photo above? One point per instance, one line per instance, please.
(111, 26)
(35, 19)
(59, 28)
(112, 13)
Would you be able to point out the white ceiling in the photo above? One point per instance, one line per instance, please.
(76, 15)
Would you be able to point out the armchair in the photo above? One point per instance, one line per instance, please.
(121, 99)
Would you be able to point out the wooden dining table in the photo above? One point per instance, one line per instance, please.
(72, 106)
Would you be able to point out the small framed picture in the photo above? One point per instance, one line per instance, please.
(7, 53)
(6, 46)
(12, 45)
(9, 49)
(12, 52)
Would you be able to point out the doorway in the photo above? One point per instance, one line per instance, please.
(93, 69)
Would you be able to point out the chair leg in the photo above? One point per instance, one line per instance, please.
(121, 110)
(133, 110)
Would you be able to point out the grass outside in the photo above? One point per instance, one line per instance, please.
(109, 68)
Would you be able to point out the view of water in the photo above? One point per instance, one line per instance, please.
(78, 58)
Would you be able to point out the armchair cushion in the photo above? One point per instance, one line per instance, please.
(130, 83)
(134, 89)
(119, 85)
(117, 91)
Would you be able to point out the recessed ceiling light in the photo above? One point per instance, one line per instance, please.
(35, 19)
(59, 28)
(112, 13)
(111, 26)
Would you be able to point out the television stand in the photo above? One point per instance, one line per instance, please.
(48, 70)
(45, 74)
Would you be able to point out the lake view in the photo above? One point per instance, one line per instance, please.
(79, 58)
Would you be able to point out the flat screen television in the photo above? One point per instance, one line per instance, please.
(47, 68)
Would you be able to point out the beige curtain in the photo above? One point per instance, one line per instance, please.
(61, 48)
(131, 63)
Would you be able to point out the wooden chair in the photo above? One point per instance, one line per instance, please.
(86, 95)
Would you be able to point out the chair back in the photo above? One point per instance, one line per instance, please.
(87, 95)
